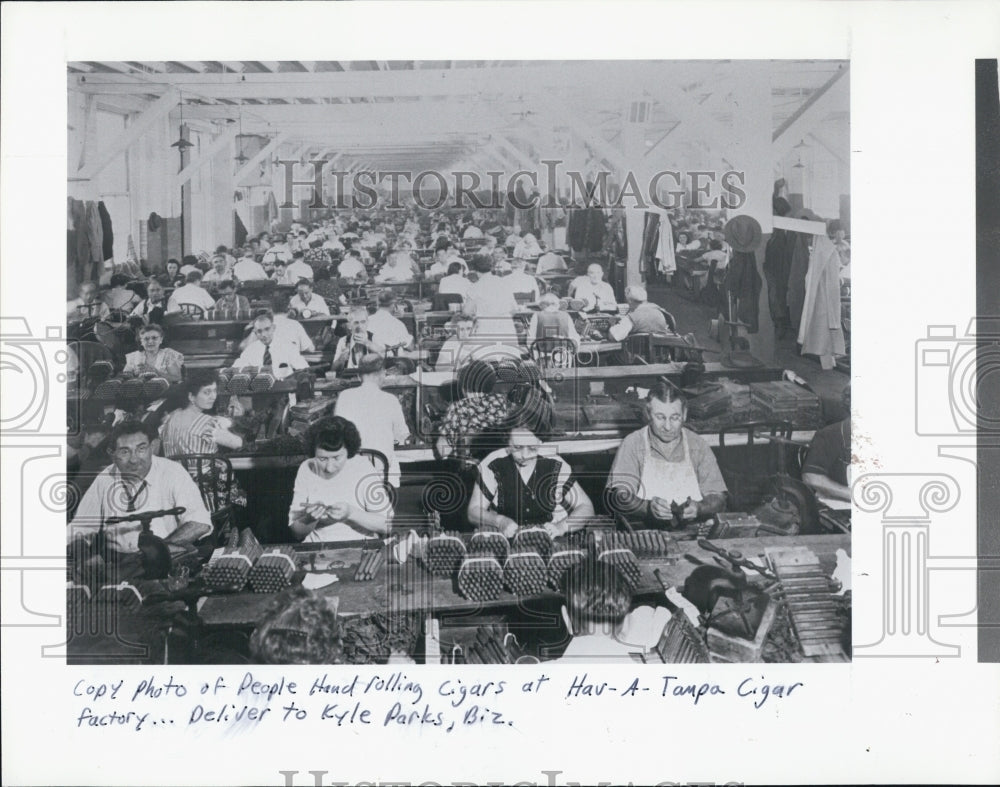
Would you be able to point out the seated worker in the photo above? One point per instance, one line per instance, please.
(270, 350)
(191, 293)
(286, 329)
(332, 499)
(120, 297)
(663, 463)
(189, 263)
(527, 247)
(305, 303)
(170, 274)
(446, 255)
(152, 308)
(493, 303)
(190, 426)
(596, 294)
(397, 268)
(827, 466)
(459, 347)
(296, 269)
(229, 305)
(316, 257)
(550, 262)
(596, 613)
(479, 409)
(357, 343)
(220, 270)
(455, 282)
(387, 329)
(88, 305)
(521, 282)
(377, 414)
(644, 316)
(550, 322)
(248, 269)
(715, 254)
(139, 481)
(162, 361)
(524, 485)
(280, 252)
(351, 267)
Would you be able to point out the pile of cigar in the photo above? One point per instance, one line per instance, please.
(492, 646)
(444, 554)
(273, 570)
(525, 573)
(532, 539)
(480, 577)
(681, 643)
(124, 596)
(624, 560)
(231, 569)
(642, 543)
(371, 562)
(561, 562)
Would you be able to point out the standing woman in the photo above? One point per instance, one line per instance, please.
(191, 427)
(152, 357)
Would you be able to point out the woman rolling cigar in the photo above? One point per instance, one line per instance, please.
(525, 485)
(338, 495)
(664, 464)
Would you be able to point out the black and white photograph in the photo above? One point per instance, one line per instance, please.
(499, 392)
(489, 362)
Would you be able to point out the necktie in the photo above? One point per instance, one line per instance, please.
(267, 356)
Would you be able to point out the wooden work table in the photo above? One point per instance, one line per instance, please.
(410, 588)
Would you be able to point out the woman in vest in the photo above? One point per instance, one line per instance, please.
(551, 323)
(526, 485)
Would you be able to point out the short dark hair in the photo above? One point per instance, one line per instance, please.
(715, 245)
(194, 381)
(262, 314)
(225, 284)
(190, 259)
(303, 280)
(664, 391)
(483, 263)
(193, 277)
(477, 377)
(151, 327)
(128, 427)
(334, 433)
(386, 298)
(221, 249)
(455, 267)
(596, 592)
(119, 280)
(280, 303)
(298, 255)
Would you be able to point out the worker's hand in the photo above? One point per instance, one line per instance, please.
(690, 511)
(556, 530)
(660, 508)
(444, 448)
(339, 512)
(315, 511)
(507, 526)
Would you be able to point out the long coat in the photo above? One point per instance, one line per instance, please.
(820, 332)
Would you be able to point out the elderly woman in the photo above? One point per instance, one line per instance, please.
(336, 495)
(162, 361)
(492, 301)
(551, 323)
(190, 427)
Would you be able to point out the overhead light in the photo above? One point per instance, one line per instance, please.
(802, 144)
(182, 144)
(799, 165)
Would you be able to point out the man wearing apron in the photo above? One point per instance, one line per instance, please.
(664, 463)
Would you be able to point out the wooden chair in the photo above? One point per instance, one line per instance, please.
(192, 311)
(553, 352)
(214, 478)
(441, 301)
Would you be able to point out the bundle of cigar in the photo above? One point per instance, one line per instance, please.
(132, 388)
(444, 554)
(480, 577)
(239, 384)
(525, 573)
(371, 562)
(493, 646)
(230, 569)
(109, 389)
(273, 570)
(532, 539)
(124, 595)
(642, 543)
(561, 562)
(262, 381)
(680, 642)
(154, 387)
(491, 542)
(624, 560)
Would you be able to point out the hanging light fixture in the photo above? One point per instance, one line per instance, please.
(242, 158)
(182, 144)
(802, 144)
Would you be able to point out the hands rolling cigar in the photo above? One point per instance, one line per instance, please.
(325, 514)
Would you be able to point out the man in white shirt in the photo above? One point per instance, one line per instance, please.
(397, 268)
(550, 262)
(377, 414)
(351, 266)
(521, 282)
(357, 343)
(152, 308)
(270, 350)
(191, 293)
(455, 282)
(441, 264)
(279, 252)
(138, 481)
(297, 269)
(248, 269)
(306, 303)
(596, 294)
(219, 270)
(286, 330)
(386, 329)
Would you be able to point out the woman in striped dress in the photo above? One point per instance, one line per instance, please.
(191, 428)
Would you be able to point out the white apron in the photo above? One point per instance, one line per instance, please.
(672, 481)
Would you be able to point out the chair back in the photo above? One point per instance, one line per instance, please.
(749, 469)
(671, 322)
(378, 460)
(192, 311)
(638, 347)
(553, 352)
(442, 301)
(214, 477)
(523, 298)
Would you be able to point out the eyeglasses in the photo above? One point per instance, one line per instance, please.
(140, 451)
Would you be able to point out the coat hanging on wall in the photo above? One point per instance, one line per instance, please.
(820, 332)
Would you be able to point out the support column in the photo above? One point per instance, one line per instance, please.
(633, 144)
